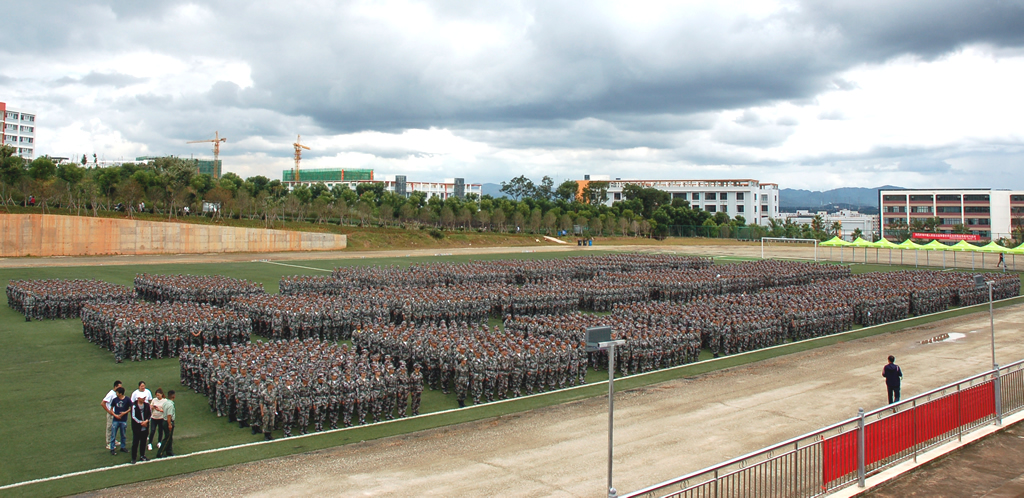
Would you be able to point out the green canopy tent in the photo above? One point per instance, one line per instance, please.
(964, 246)
(835, 242)
(994, 247)
(908, 245)
(935, 245)
(887, 244)
(860, 242)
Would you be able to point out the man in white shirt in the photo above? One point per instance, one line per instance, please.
(142, 392)
(110, 415)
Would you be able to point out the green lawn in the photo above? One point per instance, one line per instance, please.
(53, 381)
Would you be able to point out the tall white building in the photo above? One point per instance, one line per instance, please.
(988, 213)
(756, 202)
(19, 130)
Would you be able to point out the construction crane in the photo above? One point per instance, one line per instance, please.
(217, 139)
(298, 155)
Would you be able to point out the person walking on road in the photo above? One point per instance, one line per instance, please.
(893, 376)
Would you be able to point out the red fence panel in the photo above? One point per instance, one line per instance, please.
(839, 456)
(889, 436)
(977, 402)
(894, 434)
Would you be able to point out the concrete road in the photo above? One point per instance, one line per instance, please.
(662, 431)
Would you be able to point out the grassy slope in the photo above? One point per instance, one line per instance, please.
(371, 238)
(53, 381)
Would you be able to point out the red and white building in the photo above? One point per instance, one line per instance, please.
(988, 213)
(19, 130)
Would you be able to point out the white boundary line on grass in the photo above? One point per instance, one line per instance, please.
(293, 266)
(472, 407)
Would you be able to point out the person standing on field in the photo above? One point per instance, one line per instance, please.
(893, 377)
(111, 396)
(170, 420)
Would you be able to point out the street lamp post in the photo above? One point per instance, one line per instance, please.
(610, 346)
(980, 283)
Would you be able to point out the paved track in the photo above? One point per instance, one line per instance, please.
(661, 431)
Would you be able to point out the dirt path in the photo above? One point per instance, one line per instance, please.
(662, 431)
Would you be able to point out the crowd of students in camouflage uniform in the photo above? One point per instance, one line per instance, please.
(57, 299)
(477, 362)
(216, 290)
(144, 331)
(294, 384)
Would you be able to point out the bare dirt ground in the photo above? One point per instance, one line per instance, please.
(661, 431)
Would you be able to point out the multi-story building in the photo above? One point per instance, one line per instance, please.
(755, 201)
(849, 221)
(203, 166)
(19, 130)
(397, 184)
(987, 213)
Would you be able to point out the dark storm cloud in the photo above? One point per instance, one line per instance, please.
(550, 75)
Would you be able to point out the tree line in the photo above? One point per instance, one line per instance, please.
(167, 186)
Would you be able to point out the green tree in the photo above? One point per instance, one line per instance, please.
(42, 169)
(518, 187)
(596, 193)
(567, 191)
(546, 190)
(650, 198)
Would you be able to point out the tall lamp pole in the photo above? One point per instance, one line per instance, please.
(610, 346)
(981, 283)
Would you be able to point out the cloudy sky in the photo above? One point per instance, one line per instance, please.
(808, 94)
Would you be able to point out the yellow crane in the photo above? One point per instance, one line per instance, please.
(217, 139)
(298, 155)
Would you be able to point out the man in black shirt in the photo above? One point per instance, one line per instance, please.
(893, 375)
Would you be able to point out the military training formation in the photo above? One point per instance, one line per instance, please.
(362, 344)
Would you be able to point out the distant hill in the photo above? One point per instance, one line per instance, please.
(492, 189)
(861, 199)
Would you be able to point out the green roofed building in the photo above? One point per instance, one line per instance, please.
(327, 175)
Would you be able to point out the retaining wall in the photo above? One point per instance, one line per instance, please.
(52, 235)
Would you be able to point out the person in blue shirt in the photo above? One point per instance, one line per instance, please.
(120, 408)
(893, 376)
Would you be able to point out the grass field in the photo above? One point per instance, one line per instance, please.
(53, 381)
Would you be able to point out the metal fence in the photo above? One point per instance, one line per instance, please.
(841, 454)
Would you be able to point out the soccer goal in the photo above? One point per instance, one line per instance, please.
(787, 248)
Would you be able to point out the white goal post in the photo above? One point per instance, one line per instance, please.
(787, 240)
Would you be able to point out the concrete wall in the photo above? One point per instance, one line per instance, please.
(51, 235)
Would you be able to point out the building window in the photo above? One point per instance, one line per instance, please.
(977, 221)
(951, 221)
(617, 197)
(696, 196)
(739, 209)
(894, 198)
(1017, 198)
(739, 196)
(724, 196)
(710, 208)
(1017, 210)
(764, 208)
(922, 209)
(895, 209)
(723, 208)
(948, 198)
(976, 197)
(948, 209)
(679, 195)
(976, 209)
(710, 196)
(764, 198)
(920, 198)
